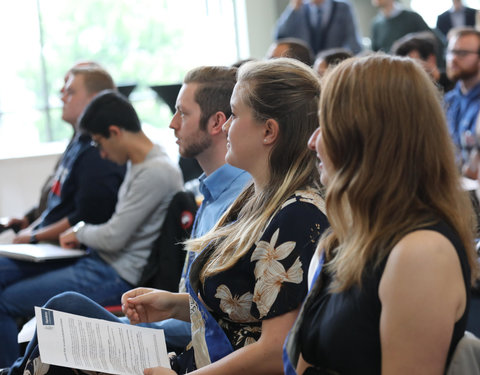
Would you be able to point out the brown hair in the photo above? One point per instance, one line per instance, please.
(287, 91)
(458, 32)
(96, 79)
(385, 133)
(216, 85)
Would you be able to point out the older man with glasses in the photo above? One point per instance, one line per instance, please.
(463, 102)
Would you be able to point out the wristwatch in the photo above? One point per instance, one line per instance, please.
(33, 239)
(78, 226)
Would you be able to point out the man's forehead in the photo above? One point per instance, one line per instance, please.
(465, 39)
(187, 93)
(74, 80)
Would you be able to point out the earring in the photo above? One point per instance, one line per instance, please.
(264, 140)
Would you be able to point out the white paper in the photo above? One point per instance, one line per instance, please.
(98, 345)
(27, 331)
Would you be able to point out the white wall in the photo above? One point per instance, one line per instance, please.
(21, 181)
(255, 21)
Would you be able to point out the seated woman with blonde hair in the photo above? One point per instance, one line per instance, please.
(393, 295)
(247, 284)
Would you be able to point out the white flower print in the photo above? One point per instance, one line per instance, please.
(268, 286)
(202, 357)
(237, 308)
(307, 196)
(267, 256)
(39, 368)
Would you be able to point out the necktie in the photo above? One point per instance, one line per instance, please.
(317, 29)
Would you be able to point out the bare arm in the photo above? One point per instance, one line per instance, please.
(48, 233)
(263, 357)
(144, 305)
(422, 294)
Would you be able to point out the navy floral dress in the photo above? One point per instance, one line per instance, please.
(271, 279)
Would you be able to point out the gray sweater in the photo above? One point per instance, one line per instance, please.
(126, 239)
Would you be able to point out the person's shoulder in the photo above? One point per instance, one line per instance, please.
(88, 154)
(307, 196)
(423, 248)
(303, 207)
(470, 10)
(411, 15)
(443, 15)
(342, 5)
(160, 168)
(378, 19)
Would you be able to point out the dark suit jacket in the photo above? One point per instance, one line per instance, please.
(444, 23)
(340, 30)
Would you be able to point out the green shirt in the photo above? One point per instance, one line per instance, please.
(385, 31)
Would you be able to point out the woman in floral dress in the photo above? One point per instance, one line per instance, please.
(247, 284)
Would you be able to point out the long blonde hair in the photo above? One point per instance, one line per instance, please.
(288, 92)
(385, 132)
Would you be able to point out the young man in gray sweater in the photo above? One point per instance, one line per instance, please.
(152, 179)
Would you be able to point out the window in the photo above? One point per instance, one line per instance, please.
(141, 42)
(430, 10)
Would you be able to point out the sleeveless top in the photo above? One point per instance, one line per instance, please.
(340, 332)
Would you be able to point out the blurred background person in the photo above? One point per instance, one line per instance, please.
(323, 24)
(329, 58)
(458, 15)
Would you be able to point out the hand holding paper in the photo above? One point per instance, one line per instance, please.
(98, 345)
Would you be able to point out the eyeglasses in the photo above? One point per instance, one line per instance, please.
(461, 52)
(95, 144)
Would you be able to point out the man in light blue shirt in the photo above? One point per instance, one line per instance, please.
(203, 106)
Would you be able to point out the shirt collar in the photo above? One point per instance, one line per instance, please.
(326, 8)
(214, 184)
(460, 10)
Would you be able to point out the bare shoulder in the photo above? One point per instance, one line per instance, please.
(423, 249)
(422, 264)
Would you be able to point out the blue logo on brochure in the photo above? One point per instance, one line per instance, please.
(47, 318)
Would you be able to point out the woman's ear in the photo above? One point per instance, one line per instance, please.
(270, 132)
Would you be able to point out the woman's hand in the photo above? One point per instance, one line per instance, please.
(158, 371)
(145, 305)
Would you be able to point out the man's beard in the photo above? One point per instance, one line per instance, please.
(463, 74)
(197, 147)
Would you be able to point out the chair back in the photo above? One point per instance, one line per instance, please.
(165, 263)
(466, 357)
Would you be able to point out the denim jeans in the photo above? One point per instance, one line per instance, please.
(24, 285)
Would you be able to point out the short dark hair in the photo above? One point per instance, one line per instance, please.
(333, 56)
(297, 49)
(107, 108)
(215, 87)
(422, 42)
